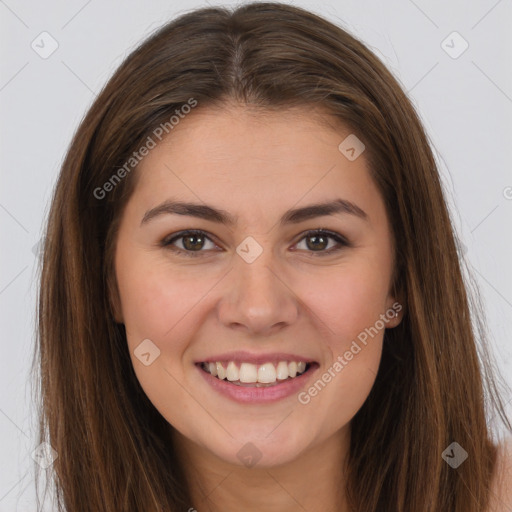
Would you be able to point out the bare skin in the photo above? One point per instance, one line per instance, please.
(501, 488)
(295, 297)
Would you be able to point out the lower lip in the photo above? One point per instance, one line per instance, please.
(256, 395)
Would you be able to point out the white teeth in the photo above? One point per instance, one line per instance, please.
(213, 369)
(282, 370)
(267, 373)
(249, 373)
(221, 373)
(232, 372)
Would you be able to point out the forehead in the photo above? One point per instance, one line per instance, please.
(254, 160)
(238, 142)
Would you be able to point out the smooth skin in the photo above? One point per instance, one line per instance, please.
(295, 297)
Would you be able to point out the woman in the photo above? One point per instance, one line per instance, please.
(251, 295)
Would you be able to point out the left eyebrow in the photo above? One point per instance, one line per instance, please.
(293, 216)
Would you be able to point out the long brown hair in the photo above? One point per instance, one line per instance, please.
(114, 449)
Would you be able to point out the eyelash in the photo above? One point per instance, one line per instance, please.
(167, 242)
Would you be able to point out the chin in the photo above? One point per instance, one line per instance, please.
(265, 449)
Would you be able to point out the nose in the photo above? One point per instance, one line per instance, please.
(257, 298)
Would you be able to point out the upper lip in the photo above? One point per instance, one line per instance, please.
(242, 356)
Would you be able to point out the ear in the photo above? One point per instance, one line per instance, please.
(395, 307)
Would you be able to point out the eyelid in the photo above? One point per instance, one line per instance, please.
(341, 240)
(167, 242)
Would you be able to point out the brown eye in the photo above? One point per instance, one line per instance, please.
(192, 242)
(317, 241)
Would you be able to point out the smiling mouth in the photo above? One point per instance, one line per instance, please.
(253, 375)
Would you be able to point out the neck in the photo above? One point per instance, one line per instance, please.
(313, 481)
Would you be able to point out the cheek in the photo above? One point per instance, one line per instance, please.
(156, 301)
(347, 300)
(158, 305)
(337, 394)
(347, 306)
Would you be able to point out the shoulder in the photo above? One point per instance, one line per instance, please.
(501, 486)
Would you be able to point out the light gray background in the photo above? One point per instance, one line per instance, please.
(465, 103)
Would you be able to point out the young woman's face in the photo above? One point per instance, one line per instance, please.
(252, 290)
